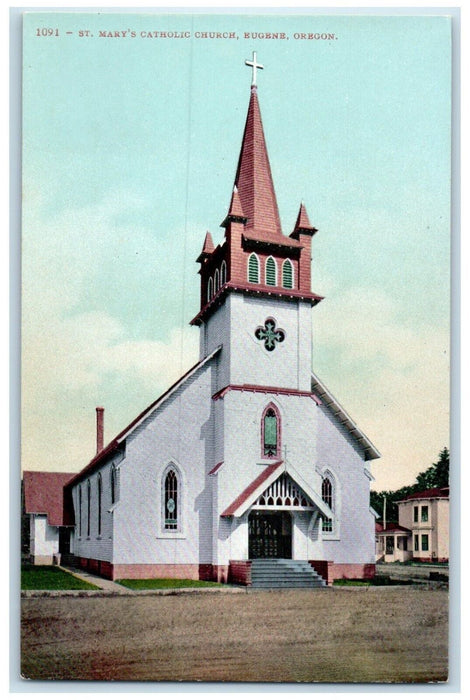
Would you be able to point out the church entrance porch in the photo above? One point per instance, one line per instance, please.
(269, 535)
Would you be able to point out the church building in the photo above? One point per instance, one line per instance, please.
(247, 460)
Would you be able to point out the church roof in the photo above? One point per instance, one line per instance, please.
(43, 494)
(254, 181)
(114, 445)
(344, 418)
(272, 472)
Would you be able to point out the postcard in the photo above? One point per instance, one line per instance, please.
(235, 328)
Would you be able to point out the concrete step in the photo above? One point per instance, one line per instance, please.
(284, 573)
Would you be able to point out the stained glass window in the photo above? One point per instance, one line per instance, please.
(270, 432)
(171, 501)
(327, 496)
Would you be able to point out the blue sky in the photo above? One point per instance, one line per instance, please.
(130, 147)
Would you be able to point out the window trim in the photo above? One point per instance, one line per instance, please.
(209, 289)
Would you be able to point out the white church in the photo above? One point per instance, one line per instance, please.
(247, 470)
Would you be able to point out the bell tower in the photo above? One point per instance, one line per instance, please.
(256, 296)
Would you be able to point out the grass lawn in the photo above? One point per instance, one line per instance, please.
(51, 578)
(146, 584)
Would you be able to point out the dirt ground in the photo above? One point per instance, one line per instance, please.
(380, 634)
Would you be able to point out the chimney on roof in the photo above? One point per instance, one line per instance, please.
(99, 429)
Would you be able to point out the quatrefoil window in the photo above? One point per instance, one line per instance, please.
(270, 334)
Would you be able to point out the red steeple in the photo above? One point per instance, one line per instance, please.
(255, 257)
(253, 179)
(303, 225)
(207, 249)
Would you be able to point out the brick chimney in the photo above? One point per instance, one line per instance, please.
(99, 429)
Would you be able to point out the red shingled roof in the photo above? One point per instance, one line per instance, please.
(255, 484)
(43, 493)
(390, 527)
(254, 180)
(438, 492)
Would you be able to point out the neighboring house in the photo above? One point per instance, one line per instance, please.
(248, 456)
(426, 515)
(422, 532)
(392, 543)
(47, 530)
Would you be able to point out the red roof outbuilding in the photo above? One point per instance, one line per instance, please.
(44, 494)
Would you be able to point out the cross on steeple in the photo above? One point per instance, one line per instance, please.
(254, 66)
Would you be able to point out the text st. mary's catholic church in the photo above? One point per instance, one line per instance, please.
(247, 469)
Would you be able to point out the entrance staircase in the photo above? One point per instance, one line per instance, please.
(284, 573)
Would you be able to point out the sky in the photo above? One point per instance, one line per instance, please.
(130, 147)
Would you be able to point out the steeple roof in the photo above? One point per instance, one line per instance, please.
(254, 181)
(303, 225)
(208, 247)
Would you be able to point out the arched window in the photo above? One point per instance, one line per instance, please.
(223, 273)
(113, 484)
(327, 496)
(88, 498)
(79, 510)
(271, 432)
(253, 268)
(100, 493)
(271, 272)
(216, 281)
(287, 275)
(209, 289)
(170, 500)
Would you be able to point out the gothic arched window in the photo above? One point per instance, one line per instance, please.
(79, 510)
(271, 272)
(100, 493)
(223, 273)
(327, 496)
(88, 515)
(271, 432)
(171, 500)
(253, 268)
(209, 289)
(216, 281)
(113, 484)
(287, 274)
